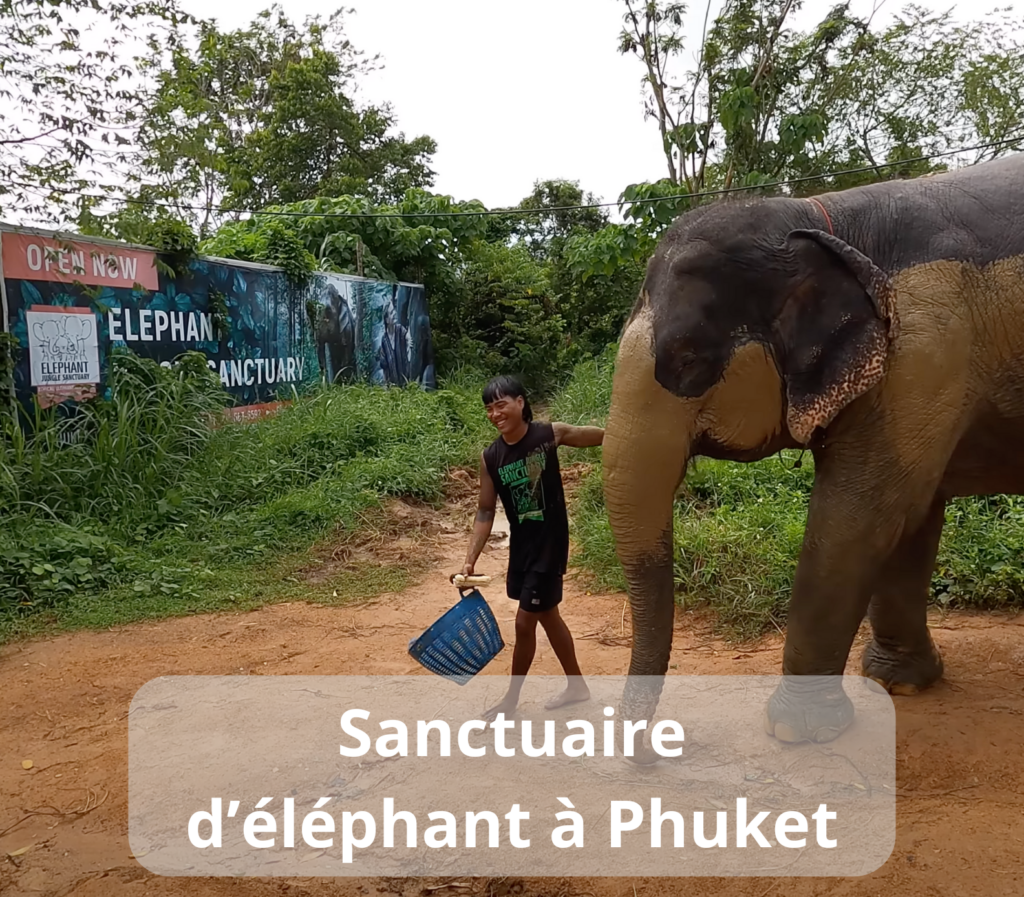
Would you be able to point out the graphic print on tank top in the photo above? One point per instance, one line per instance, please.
(527, 478)
(523, 477)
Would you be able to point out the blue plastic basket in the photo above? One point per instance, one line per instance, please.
(461, 642)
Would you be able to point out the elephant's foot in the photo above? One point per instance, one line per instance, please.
(900, 671)
(811, 708)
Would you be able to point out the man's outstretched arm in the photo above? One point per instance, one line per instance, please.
(486, 507)
(577, 437)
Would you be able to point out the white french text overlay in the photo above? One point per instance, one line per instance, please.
(403, 776)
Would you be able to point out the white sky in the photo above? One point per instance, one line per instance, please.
(516, 92)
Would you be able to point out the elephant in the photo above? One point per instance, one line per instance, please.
(880, 328)
(336, 339)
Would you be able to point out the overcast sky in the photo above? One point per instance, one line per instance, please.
(516, 92)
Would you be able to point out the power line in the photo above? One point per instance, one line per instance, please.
(746, 188)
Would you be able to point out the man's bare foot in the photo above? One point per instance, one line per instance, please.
(576, 693)
(507, 705)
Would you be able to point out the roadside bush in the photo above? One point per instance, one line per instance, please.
(137, 491)
(43, 564)
(119, 455)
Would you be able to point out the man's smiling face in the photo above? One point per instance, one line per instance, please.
(506, 414)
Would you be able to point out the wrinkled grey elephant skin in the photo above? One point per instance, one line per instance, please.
(880, 327)
(336, 339)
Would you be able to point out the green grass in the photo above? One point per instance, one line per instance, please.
(737, 532)
(150, 512)
(239, 588)
(739, 527)
(138, 509)
(584, 400)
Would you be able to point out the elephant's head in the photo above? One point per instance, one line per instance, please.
(753, 331)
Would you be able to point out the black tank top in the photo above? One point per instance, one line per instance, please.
(529, 481)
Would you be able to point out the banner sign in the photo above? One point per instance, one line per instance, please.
(265, 338)
(29, 257)
(372, 331)
(64, 352)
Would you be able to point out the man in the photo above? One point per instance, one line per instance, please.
(521, 466)
(394, 346)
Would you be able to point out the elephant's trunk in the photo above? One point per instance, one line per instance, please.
(646, 446)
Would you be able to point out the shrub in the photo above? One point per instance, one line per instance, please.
(138, 491)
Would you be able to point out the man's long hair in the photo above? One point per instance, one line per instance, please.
(508, 387)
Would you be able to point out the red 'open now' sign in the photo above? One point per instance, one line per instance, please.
(30, 257)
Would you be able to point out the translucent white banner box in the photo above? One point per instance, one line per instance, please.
(246, 776)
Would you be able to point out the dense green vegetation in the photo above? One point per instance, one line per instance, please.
(167, 130)
(140, 507)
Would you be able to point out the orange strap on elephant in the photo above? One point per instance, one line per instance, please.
(823, 212)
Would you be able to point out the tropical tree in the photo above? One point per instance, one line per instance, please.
(767, 102)
(69, 94)
(841, 104)
(266, 115)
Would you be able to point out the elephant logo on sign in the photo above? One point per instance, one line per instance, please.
(64, 339)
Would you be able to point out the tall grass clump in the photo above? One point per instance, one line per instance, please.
(585, 399)
(118, 454)
(147, 496)
(739, 528)
(70, 486)
(981, 558)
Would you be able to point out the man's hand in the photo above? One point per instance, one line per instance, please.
(577, 437)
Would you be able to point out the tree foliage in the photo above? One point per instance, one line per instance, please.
(69, 93)
(566, 220)
(419, 238)
(767, 102)
(557, 215)
(266, 115)
(838, 105)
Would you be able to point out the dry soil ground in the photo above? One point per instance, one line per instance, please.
(64, 702)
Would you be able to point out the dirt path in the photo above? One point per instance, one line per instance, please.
(64, 702)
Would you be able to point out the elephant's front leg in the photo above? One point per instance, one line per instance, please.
(851, 532)
(902, 656)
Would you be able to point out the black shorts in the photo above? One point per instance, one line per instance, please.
(535, 592)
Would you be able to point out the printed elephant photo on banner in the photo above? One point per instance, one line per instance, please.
(373, 331)
(336, 336)
(882, 329)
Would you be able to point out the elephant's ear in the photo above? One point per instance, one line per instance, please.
(836, 327)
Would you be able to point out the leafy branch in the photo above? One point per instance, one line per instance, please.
(67, 93)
